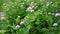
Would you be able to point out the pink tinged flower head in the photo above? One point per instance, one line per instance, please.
(57, 14)
(2, 18)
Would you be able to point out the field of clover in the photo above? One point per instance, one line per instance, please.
(29, 16)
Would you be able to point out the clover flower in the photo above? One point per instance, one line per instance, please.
(2, 16)
(30, 9)
(18, 16)
(57, 14)
(32, 4)
(49, 13)
(22, 3)
(17, 27)
(22, 23)
(55, 24)
(47, 4)
(26, 17)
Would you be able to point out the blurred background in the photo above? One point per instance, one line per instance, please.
(29, 16)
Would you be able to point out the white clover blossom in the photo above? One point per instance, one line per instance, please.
(47, 4)
(26, 17)
(51, 2)
(32, 4)
(30, 9)
(55, 24)
(49, 13)
(2, 16)
(17, 27)
(21, 23)
(57, 14)
(22, 4)
(18, 16)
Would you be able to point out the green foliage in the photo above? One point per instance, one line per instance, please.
(38, 22)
